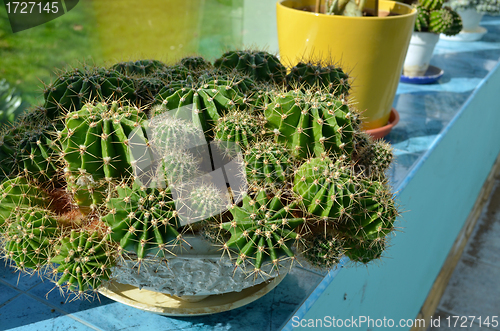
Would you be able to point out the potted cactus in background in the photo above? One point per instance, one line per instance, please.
(192, 179)
(367, 38)
(432, 19)
(472, 12)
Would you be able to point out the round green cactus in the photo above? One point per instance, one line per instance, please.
(29, 239)
(327, 188)
(372, 158)
(139, 68)
(364, 251)
(142, 220)
(204, 102)
(316, 76)
(38, 154)
(323, 250)
(239, 128)
(422, 20)
(178, 167)
(99, 144)
(259, 65)
(170, 133)
(97, 140)
(373, 214)
(431, 4)
(195, 63)
(310, 125)
(202, 203)
(84, 261)
(262, 229)
(267, 164)
(74, 88)
(18, 193)
(446, 21)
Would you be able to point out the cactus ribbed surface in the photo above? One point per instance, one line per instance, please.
(262, 230)
(445, 21)
(316, 76)
(422, 20)
(259, 65)
(139, 68)
(267, 164)
(206, 102)
(74, 88)
(310, 125)
(84, 261)
(29, 239)
(238, 128)
(431, 4)
(327, 188)
(142, 220)
(19, 193)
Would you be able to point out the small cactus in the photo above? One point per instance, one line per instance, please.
(324, 250)
(267, 163)
(195, 63)
(259, 65)
(316, 76)
(142, 220)
(84, 261)
(139, 68)
(310, 125)
(372, 158)
(206, 102)
(364, 251)
(262, 230)
(445, 21)
(431, 5)
(422, 20)
(29, 239)
(74, 88)
(238, 128)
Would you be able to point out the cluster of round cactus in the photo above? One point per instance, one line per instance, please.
(121, 162)
(433, 17)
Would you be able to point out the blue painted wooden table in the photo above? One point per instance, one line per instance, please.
(439, 170)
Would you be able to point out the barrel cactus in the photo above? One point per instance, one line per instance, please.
(310, 124)
(433, 17)
(142, 162)
(446, 21)
(74, 88)
(259, 65)
(329, 77)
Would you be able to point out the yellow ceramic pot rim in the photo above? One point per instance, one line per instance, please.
(385, 3)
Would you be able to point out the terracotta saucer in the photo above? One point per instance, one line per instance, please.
(381, 132)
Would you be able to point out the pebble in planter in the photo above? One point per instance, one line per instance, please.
(128, 198)
(432, 20)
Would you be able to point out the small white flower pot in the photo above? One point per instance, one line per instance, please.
(419, 53)
(470, 19)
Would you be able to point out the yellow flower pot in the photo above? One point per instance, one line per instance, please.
(371, 49)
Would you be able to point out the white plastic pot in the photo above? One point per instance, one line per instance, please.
(419, 53)
(470, 19)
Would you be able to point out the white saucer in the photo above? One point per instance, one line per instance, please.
(467, 35)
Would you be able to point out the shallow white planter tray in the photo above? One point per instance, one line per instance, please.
(467, 36)
(164, 304)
